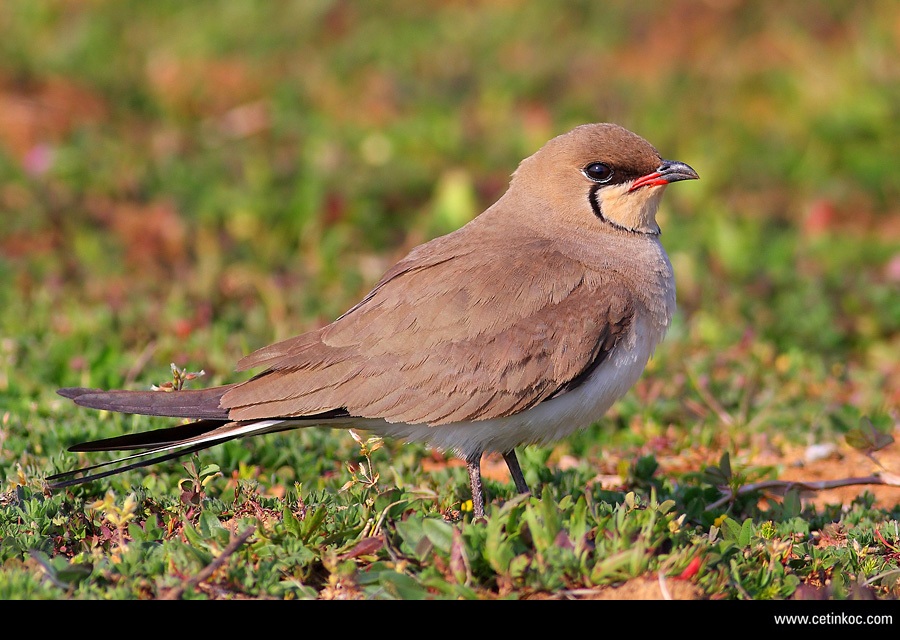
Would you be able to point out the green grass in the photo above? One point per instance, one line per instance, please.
(182, 183)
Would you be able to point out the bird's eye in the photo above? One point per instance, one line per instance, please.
(598, 172)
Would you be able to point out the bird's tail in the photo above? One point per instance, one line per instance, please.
(171, 442)
(211, 426)
(186, 403)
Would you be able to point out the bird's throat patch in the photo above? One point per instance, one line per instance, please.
(633, 211)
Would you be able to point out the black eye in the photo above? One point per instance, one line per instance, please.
(598, 172)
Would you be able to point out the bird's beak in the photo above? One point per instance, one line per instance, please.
(668, 171)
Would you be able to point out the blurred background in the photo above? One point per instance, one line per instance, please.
(184, 182)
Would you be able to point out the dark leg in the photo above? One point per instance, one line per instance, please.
(516, 471)
(473, 464)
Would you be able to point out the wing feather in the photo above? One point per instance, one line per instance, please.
(441, 339)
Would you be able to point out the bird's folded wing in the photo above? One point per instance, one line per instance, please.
(442, 340)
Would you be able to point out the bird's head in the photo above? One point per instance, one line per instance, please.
(599, 173)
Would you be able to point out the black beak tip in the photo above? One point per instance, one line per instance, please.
(674, 171)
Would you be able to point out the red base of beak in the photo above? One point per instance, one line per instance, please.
(655, 179)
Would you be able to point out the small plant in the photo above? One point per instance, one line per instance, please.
(867, 439)
(193, 488)
(363, 473)
(179, 377)
(117, 516)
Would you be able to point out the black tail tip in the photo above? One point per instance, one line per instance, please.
(73, 392)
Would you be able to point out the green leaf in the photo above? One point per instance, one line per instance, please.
(731, 530)
(645, 467)
(291, 522)
(60, 571)
(152, 530)
(746, 533)
(498, 549)
(543, 522)
(519, 565)
(74, 573)
(209, 469)
(312, 522)
(578, 525)
(612, 567)
(413, 537)
(867, 438)
(402, 586)
(630, 500)
(439, 533)
(193, 537)
(393, 501)
(791, 506)
(666, 506)
(210, 527)
(725, 465)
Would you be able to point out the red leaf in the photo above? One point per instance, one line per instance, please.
(691, 570)
(366, 546)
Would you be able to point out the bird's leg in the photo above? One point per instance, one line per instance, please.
(473, 464)
(516, 471)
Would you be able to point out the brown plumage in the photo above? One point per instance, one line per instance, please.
(520, 327)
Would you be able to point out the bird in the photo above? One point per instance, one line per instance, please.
(519, 328)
